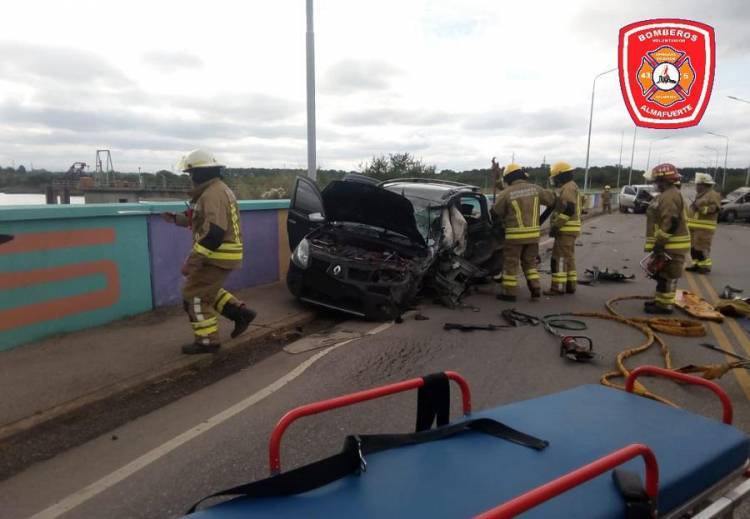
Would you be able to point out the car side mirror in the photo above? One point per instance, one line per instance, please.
(316, 218)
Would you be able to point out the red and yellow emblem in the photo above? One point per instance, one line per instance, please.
(666, 71)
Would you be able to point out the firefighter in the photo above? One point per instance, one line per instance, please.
(671, 238)
(702, 217)
(565, 227)
(214, 219)
(517, 207)
(607, 200)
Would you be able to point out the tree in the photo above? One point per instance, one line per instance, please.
(21, 169)
(396, 165)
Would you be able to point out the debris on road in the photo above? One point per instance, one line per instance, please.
(421, 317)
(729, 292)
(595, 274)
(516, 318)
(475, 327)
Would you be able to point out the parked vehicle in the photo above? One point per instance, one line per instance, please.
(367, 250)
(636, 198)
(736, 206)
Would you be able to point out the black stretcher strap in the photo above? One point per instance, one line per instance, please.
(638, 504)
(433, 402)
(351, 459)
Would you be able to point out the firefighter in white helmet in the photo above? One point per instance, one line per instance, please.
(565, 227)
(214, 219)
(702, 217)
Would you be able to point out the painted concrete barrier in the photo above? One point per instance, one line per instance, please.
(74, 267)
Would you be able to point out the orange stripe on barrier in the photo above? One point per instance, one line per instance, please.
(58, 308)
(38, 241)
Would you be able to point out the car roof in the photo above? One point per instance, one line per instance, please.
(427, 189)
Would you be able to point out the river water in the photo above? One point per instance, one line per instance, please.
(30, 199)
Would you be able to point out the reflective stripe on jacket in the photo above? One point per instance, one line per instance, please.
(704, 212)
(216, 204)
(518, 208)
(670, 221)
(570, 225)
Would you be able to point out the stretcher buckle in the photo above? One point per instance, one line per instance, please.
(362, 461)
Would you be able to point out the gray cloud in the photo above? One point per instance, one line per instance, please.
(352, 76)
(395, 116)
(172, 60)
(599, 21)
(28, 62)
(558, 121)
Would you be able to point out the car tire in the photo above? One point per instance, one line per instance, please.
(730, 217)
(623, 210)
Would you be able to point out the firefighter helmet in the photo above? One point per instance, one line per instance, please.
(511, 168)
(666, 172)
(704, 178)
(198, 159)
(558, 168)
(607, 188)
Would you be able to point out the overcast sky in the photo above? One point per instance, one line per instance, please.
(452, 81)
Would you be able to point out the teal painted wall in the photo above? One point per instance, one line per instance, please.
(75, 267)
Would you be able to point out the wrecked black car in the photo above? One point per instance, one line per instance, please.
(368, 249)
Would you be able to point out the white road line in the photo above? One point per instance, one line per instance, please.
(112, 479)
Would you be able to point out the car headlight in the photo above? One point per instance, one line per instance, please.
(301, 255)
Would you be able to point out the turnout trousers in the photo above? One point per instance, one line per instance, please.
(666, 281)
(204, 299)
(526, 255)
(563, 263)
(700, 248)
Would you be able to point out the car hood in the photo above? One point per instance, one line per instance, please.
(370, 205)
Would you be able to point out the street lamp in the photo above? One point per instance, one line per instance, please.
(726, 154)
(310, 50)
(747, 177)
(632, 154)
(591, 116)
(648, 160)
(739, 99)
(716, 161)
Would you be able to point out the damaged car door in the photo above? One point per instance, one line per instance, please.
(306, 211)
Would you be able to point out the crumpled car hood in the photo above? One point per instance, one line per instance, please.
(370, 205)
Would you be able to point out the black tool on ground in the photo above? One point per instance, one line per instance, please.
(727, 293)
(578, 348)
(516, 318)
(595, 275)
(475, 327)
(4, 238)
(725, 352)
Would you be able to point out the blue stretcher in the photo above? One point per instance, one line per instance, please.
(472, 473)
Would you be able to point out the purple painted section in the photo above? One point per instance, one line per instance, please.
(169, 246)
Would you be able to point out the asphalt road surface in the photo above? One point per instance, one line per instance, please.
(159, 464)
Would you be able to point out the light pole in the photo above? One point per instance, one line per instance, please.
(739, 99)
(619, 161)
(648, 160)
(726, 154)
(591, 116)
(310, 48)
(632, 154)
(716, 161)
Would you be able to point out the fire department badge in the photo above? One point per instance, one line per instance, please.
(666, 71)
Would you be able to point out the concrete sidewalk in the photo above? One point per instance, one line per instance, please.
(49, 378)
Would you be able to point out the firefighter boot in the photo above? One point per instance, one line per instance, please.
(241, 315)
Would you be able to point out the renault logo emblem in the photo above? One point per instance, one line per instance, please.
(337, 270)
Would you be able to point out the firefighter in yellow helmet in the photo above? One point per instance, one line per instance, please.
(671, 238)
(517, 207)
(607, 200)
(214, 219)
(565, 227)
(702, 217)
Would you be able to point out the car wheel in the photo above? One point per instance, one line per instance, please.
(730, 217)
(623, 210)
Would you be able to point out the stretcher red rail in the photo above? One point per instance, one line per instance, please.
(274, 447)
